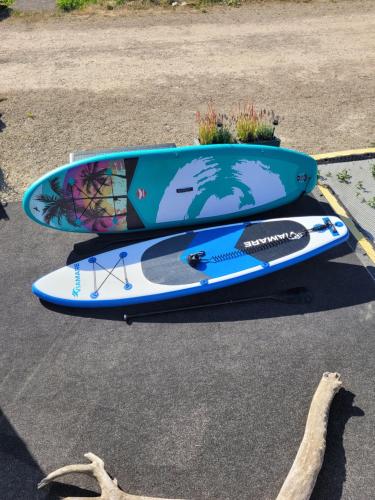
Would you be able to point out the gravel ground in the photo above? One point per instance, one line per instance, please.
(82, 81)
(34, 5)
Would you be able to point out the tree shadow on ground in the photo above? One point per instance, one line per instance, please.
(3, 214)
(3, 183)
(3, 188)
(20, 472)
(332, 476)
(5, 12)
(2, 123)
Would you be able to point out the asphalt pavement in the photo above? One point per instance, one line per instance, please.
(204, 404)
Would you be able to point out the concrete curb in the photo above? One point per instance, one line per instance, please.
(350, 155)
(334, 202)
(340, 210)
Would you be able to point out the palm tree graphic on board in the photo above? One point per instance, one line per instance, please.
(94, 178)
(94, 215)
(58, 205)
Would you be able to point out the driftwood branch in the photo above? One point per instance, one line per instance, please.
(109, 487)
(301, 479)
(299, 483)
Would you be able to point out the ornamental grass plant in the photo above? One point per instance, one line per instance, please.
(213, 127)
(245, 125)
(252, 125)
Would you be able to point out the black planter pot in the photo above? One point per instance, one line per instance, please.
(275, 141)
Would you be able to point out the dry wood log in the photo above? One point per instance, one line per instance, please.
(109, 487)
(299, 483)
(301, 479)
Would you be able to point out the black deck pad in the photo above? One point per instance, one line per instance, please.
(272, 240)
(162, 264)
(133, 219)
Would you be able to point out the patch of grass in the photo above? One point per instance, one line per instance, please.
(31, 115)
(230, 3)
(360, 186)
(371, 202)
(373, 170)
(5, 4)
(69, 5)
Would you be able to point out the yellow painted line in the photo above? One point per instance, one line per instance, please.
(340, 154)
(340, 210)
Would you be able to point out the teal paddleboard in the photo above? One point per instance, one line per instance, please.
(159, 188)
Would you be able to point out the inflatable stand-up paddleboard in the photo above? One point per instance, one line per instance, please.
(160, 188)
(189, 263)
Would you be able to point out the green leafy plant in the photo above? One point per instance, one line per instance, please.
(5, 4)
(213, 127)
(344, 176)
(373, 170)
(371, 202)
(360, 186)
(69, 5)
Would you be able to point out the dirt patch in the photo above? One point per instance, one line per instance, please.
(78, 82)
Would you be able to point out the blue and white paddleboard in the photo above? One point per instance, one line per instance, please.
(190, 262)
